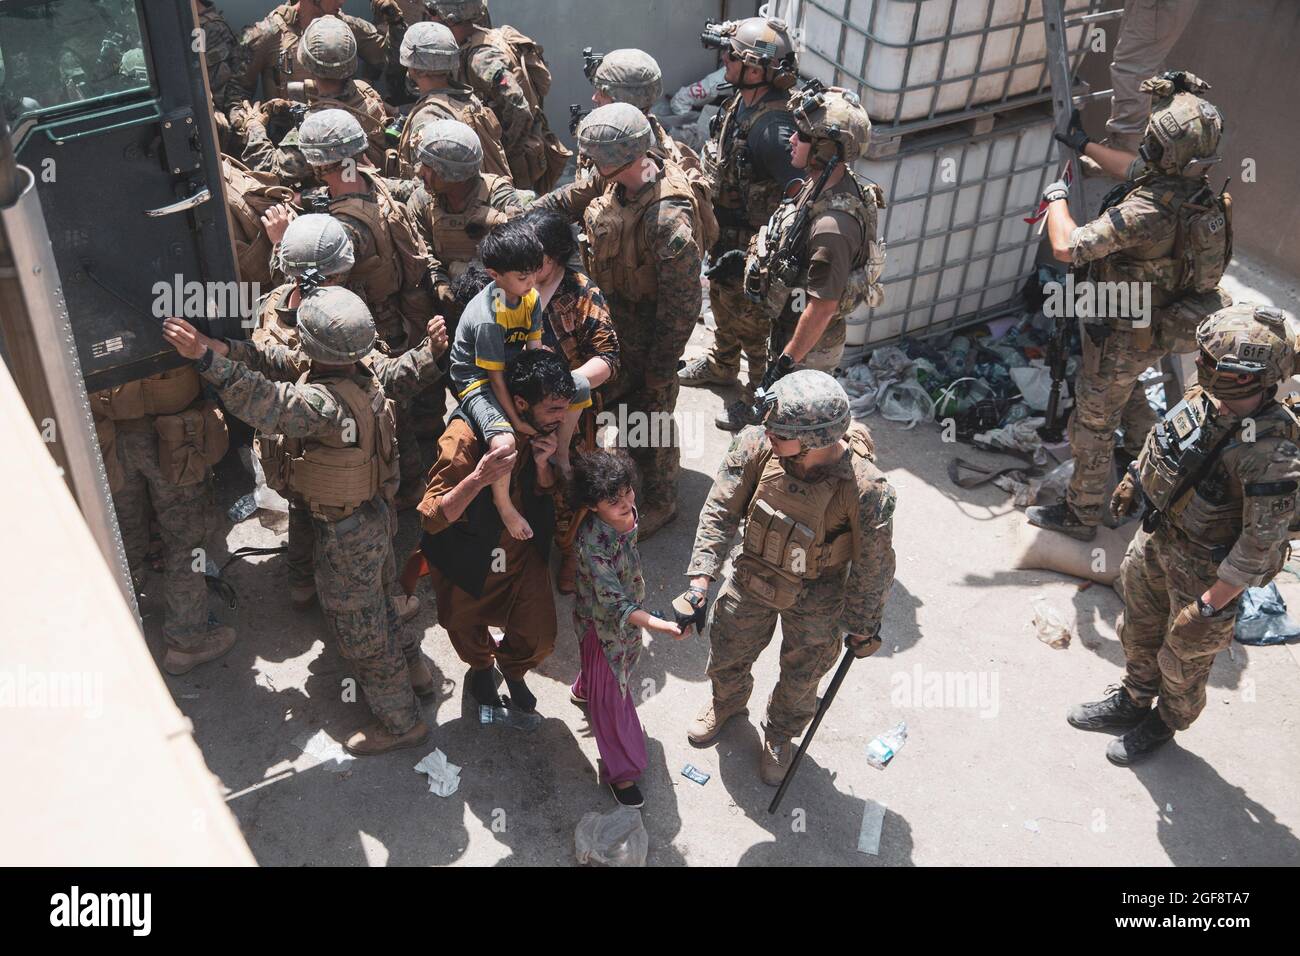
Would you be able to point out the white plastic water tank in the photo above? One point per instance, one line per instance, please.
(909, 59)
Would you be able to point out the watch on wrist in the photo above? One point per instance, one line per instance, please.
(1206, 609)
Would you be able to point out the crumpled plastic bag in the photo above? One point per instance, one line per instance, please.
(1035, 384)
(444, 776)
(1021, 436)
(616, 838)
(862, 388)
(906, 401)
(1263, 618)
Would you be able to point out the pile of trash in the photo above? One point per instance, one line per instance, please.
(991, 382)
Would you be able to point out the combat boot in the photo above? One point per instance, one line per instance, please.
(421, 677)
(376, 739)
(1140, 742)
(735, 416)
(211, 646)
(1060, 517)
(699, 372)
(775, 759)
(708, 723)
(1116, 712)
(654, 518)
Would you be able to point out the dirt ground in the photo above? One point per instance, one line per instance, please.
(991, 773)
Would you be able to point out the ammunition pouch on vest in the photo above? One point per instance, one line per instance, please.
(798, 531)
(190, 442)
(730, 172)
(163, 394)
(455, 236)
(613, 244)
(332, 476)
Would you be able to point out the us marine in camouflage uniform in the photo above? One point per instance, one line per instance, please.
(223, 57)
(314, 251)
(816, 552)
(327, 58)
(506, 70)
(1218, 478)
(813, 279)
(748, 165)
(136, 423)
(633, 76)
(641, 250)
(270, 45)
(392, 263)
(334, 428)
(1169, 234)
(432, 60)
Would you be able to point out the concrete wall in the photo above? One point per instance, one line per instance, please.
(669, 30)
(1247, 50)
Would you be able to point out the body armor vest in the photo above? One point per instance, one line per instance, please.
(461, 105)
(797, 531)
(679, 153)
(776, 267)
(163, 394)
(749, 202)
(377, 279)
(358, 98)
(613, 239)
(1192, 259)
(276, 322)
(1187, 466)
(520, 52)
(332, 476)
(454, 236)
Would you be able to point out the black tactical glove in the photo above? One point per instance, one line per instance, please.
(1074, 137)
(728, 266)
(690, 607)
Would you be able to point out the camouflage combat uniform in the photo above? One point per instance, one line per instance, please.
(642, 252)
(1133, 240)
(185, 511)
(457, 103)
(270, 46)
(353, 554)
(847, 596)
(273, 351)
(748, 167)
(1233, 527)
(223, 57)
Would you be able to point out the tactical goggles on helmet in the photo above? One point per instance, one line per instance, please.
(591, 63)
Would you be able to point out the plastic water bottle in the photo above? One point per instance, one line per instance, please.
(959, 356)
(882, 749)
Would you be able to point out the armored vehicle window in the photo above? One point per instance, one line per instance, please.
(55, 52)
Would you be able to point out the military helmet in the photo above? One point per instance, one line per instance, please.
(831, 117)
(630, 76)
(1183, 126)
(315, 241)
(133, 65)
(1245, 349)
(335, 326)
(450, 148)
(457, 11)
(764, 42)
(331, 136)
(811, 407)
(328, 49)
(430, 46)
(614, 135)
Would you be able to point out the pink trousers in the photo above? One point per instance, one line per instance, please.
(612, 716)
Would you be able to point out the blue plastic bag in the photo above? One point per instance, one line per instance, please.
(1263, 618)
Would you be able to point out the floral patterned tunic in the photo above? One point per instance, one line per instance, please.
(609, 588)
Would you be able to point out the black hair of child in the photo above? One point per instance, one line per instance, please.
(554, 232)
(511, 247)
(600, 475)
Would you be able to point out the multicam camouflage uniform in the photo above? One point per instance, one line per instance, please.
(1233, 527)
(642, 252)
(270, 48)
(1142, 239)
(851, 503)
(353, 554)
(185, 511)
